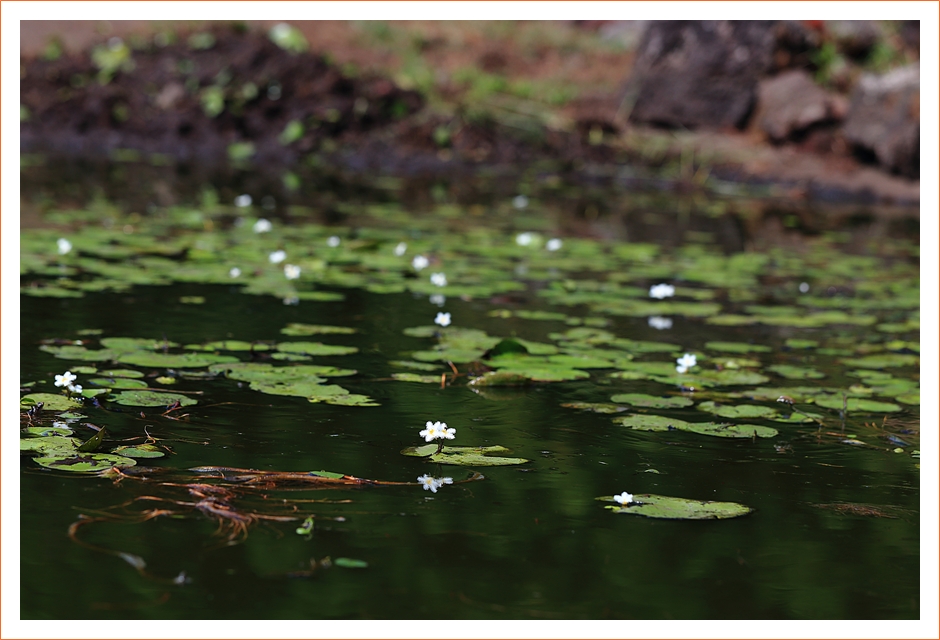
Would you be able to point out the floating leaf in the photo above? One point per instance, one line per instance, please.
(51, 401)
(596, 407)
(118, 383)
(737, 347)
(411, 364)
(135, 344)
(800, 343)
(315, 348)
(87, 463)
(500, 379)
(229, 345)
(737, 411)
(52, 445)
(667, 507)
(662, 423)
(416, 377)
(300, 329)
(909, 398)
(883, 360)
(795, 373)
(644, 400)
(150, 399)
(857, 404)
(464, 456)
(173, 360)
(140, 451)
(47, 431)
(120, 373)
(350, 563)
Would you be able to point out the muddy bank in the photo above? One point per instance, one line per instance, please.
(229, 94)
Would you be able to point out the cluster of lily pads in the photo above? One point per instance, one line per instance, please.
(819, 302)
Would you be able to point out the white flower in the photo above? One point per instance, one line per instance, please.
(277, 256)
(520, 202)
(428, 482)
(431, 433)
(234, 272)
(661, 291)
(419, 262)
(444, 432)
(444, 481)
(804, 286)
(438, 298)
(263, 225)
(65, 379)
(685, 362)
(553, 245)
(400, 248)
(439, 279)
(292, 301)
(64, 246)
(525, 239)
(244, 200)
(442, 319)
(75, 388)
(624, 498)
(332, 241)
(291, 271)
(659, 322)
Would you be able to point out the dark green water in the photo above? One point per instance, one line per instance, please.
(528, 541)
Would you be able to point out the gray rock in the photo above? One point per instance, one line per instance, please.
(884, 119)
(791, 102)
(699, 73)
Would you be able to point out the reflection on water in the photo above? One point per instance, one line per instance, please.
(528, 541)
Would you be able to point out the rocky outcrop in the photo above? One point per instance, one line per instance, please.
(791, 103)
(884, 119)
(699, 73)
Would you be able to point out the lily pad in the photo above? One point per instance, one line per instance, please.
(644, 400)
(654, 506)
(417, 377)
(662, 423)
(351, 563)
(595, 407)
(301, 329)
(500, 379)
(85, 463)
(172, 360)
(140, 451)
(51, 445)
(795, 373)
(229, 345)
(412, 364)
(909, 398)
(857, 404)
(738, 410)
(118, 383)
(51, 401)
(315, 348)
(120, 373)
(737, 347)
(464, 456)
(150, 399)
(883, 360)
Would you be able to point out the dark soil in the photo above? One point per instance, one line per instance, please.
(362, 121)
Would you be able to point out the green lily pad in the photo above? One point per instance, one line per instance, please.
(266, 372)
(172, 360)
(883, 360)
(737, 347)
(738, 410)
(417, 377)
(350, 563)
(150, 399)
(51, 445)
(348, 400)
(909, 398)
(857, 404)
(653, 506)
(85, 463)
(595, 407)
(662, 423)
(795, 373)
(412, 364)
(644, 400)
(800, 343)
(51, 401)
(120, 373)
(500, 379)
(140, 451)
(118, 383)
(315, 348)
(135, 344)
(464, 456)
(229, 345)
(47, 431)
(79, 353)
(301, 329)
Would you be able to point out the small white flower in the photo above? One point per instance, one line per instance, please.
(428, 483)
(804, 286)
(75, 388)
(293, 301)
(291, 271)
(401, 248)
(234, 272)
(520, 202)
(444, 481)
(437, 298)
(65, 379)
(277, 256)
(553, 245)
(60, 425)
(661, 291)
(431, 433)
(244, 200)
(64, 246)
(659, 322)
(684, 363)
(419, 262)
(444, 432)
(442, 319)
(525, 239)
(624, 498)
(332, 241)
(263, 225)
(439, 279)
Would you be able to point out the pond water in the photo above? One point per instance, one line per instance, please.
(556, 293)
